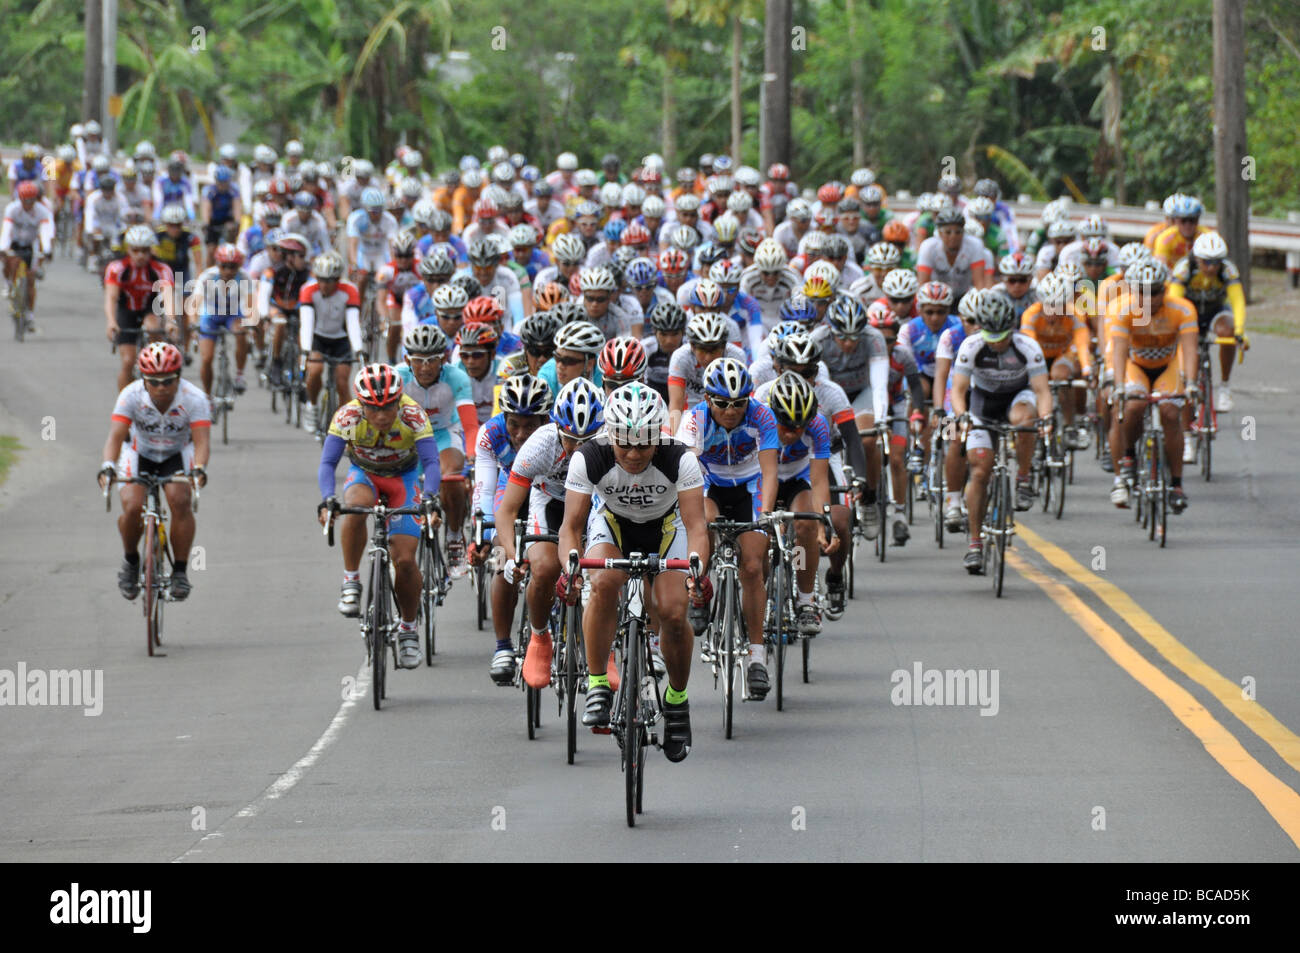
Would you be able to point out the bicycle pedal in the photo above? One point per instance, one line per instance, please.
(602, 731)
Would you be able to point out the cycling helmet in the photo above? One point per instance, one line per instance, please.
(900, 283)
(538, 329)
(725, 273)
(613, 230)
(818, 287)
(177, 158)
(799, 210)
(566, 162)
(28, 190)
(997, 315)
(1095, 249)
(979, 207)
(1061, 229)
(472, 179)
(830, 193)
(478, 334)
(484, 254)
(328, 266)
(363, 168)
(1093, 226)
(308, 170)
(748, 176)
(411, 188)
(948, 184)
(468, 282)
(1210, 247)
(1133, 252)
(1071, 271)
(881, 316)
(883, 255)
(449, 297)
(822, 269)
(934, 293)
(710, 253)
(403, 244)
(66, 153)
(292, 241)
(814, 243)
(673, 261)
(771, 256)
(687, 203)
(174, 215)
(483, 309)
(293, 148)
(580, 336)
(624, 255)
(748, 240)
(988, 189)
(436, 264)
(294, 183)
(425, 339)
(895, 232)
(727, 378)
(1017, 263)
(633, 194)
(974, 228)
(145, 150)
(569, 249)
(549, 295)
(1053, 290)
(847, 317)
(305, 201)
(719, 185)
(653, 207)
(106, 181)
(523, 236)
(667, 316)
(571, 311)
(372, 198)
(158, 359)
(542, 189)
(739, 203)
(99, 164)
(1147, 274)
(228, 254)
(685, 175)
(635, 415)
(969, 305)
(527, 395)
(223, 173)
(635, 234)
(578, 410)
(641, 273)
(792, 400)
(872, 195)
(949, 215)
(798, 309)
(779, 171)
(597, 279)
(503, 172)
(862, 178)
(797, 349)
(423, 212)
(706, 295)
(707, 329)
(377, 385)
(1187, 206)
(622, 359)
(485, 208)
(611, 195)
(1058, 210)
(780, 330)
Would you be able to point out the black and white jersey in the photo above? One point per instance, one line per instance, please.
(997, 376)
(644, 497)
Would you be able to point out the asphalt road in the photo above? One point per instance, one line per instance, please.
(1120, 730)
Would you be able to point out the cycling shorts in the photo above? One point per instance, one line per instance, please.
(787, 490)
(1151, 380)
(983, 439)
(740, 504)
(544, 516)
(402, 489)
(131, 464)
(211, 325)
(665, 537)
(337, 348)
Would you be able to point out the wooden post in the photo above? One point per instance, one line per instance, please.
(92, 77)
(859, 109)
(1233, 168)
(774, 114)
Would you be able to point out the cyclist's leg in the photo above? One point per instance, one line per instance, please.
(753, 584)
(129, 525)
(343, 380)
(1065, 368)
(1223, 327)
(676, 635)
(545, 563)
(1170, 382)
(315, 369)
(182, 521)
(1124, 439)
(358, 490)
(600, 615)
(979, 455)
(452, 492)
(805, 532)
(1023, 412)
(209, 331)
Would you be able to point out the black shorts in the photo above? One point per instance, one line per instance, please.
(172, 465)
(22, 251)
(787, 490)
(215, 233)
(130, 324)
(735, 503)
(338, 348)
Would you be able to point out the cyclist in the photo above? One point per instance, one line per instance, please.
(444, 393)
(1209, 279)
(706, 341)
(499, 281)
(174, 187)
(637, 491)
(1003, 214)
(770, 281)
(621, 361)
(418, 303)
(278, 291)
(104, 211)
(616, 315)
(668, 324)
(369, 231)
(221, 209)
(1153, 338)
(27, 168)
(954, 462)
(537, 335)
(1055, 324)
(736, 440)
(388, 439)
(160, 426)
(882, 258)
(980, 209)
(803, 469)
(1174, 243)
(798, 220)
(309, 223)
(740, 307)
(577, 345)
(1017, 270)
(999, 375)
(674, 271)
(132, 286)
(538, 476)
(218, 301)
(476, 355)
(394, 279)
(897, 234)
(952, 256)
(642, 280)
(526, 402)
(1170, 203)
(28, 222)
(329, 326)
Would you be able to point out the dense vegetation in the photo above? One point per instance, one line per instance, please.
(1103, 97)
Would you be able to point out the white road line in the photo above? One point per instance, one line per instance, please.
(285, 782)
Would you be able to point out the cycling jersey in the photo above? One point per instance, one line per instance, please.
(1153, 341)
(1073, 252)
(1208, 292)
(219, 297)
(20, 171)
(25, 228)
(453, 245)
(310, 226)
(932, 263)
(483, 389)
(903, 370)
(372, 237)
(997, 377)
(169, 191)
(335, 317)
(794, 461)
(729, 457)
(745, 312)
(917, 337)
(1170, 247)
(396, 282)
(859, 368)
(442, 399)
(542, 464)
(623, 312)
(1056, 334)
(222, 202)
(282, 285)
(156, 434)
(949, 343)
(175, 252)
(492, 462)
(865, 289)
(505, 287)
(103, 213)
(1021, 304)
(762, 371)
(656, 373)
(684, 372)
(643, 497)
(388, 453)
(785, 234)
(138, 285)
(770, 299)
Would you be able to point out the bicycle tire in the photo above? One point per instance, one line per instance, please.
(571, 649)
(481, 583)
(852, 544)
(18, 303)
(1000, 543)
(807, 650)
(727, 638)
(1153, 486)
(777, 596)
(1042, 474)
(1061, 475)
(1209, 424)
(937, 493)
(882, 511)
(149, 565)
(633, 742)
(910, 498)
(428, 602)
(1160, 510)
(377, 621)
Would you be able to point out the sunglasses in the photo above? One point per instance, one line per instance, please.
(1095, 262)
(160, 381)
(474, 355)
(596, 299)
(570, 361)
(227, 267)
(413, 359)
(1187, 221)
(539, 351)
(808, 371)
(1017, 279)
(728, 404)
(295, 254)
(934, 311)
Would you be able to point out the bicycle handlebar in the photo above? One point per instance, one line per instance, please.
(149, 480)
(637, 564)
(378, 510)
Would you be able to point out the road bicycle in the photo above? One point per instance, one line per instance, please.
(1152, 480)
(726, 645)
(18, 296)
(1205, 419)
(857, 530)
(999, 524)
(327, 400)
(482, 572)
(435, 583)
(780, 622)
(156, 561)
(1053, 462)
(223, 387)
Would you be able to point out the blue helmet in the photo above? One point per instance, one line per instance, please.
(798, 309)
(223, 173)
(614, 229)
(727, 377)
(640, 273)
(255, 240)
(1187, 206)
(579, 409)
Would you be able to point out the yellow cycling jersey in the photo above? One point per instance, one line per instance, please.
(1210, 291)
(1170, 246)
(382, 453)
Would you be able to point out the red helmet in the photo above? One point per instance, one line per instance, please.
(482, 335)
(484, 309)
(830, 193)
(159, 358)
(279, 186)
(635, 234)
(28, 191)
(377, 385)
(622, 360)
(228, 254)
(778, 171)
(673, 261)
(881, 316)
(485, 208)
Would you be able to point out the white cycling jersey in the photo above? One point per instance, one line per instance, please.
(22, 227)
(155, 434)
(643, 497)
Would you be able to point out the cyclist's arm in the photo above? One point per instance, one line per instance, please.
(205, 210)
(486, 472)
(577, 505)
(853, 449)
(879, 370)
(767, 465)
(914, 389)
(1187, 352)
(201, 434)
(960, 386)
(6, 235)
(691, 504)
(1043, 394)
(90, 220)
(1083, 344)
(942, 365)
(330, 455)
(819, 476)
(352, 321)
(1237, 301)
(306, 325)
(119, 428)
(427, 448)
(516, 494)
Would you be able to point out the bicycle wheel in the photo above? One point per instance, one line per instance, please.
(428, 599)
(18, 303)
(727, 639)
(882, 510)
(1160, 506)
(377, 620)
(911, 494)
(1058, 474)
(633, 741)
(1155, 489)
(572, 646)
(1000, 541)
(777, 596)
(852, 543)
(481, 583)
(152, 583)
(937, 490)
(1208, 424)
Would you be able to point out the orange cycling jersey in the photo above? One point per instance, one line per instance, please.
(1057, 333)
(63, 173)
(1170, 246)
(1153, 342)
(462, 210)
(1149, 239)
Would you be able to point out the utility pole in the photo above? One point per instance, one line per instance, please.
(92, 94)
(859, 109)
(774, 111)
(1233, 168)
(109, 93)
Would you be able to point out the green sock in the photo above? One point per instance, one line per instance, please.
(673, 697)
(598, 681)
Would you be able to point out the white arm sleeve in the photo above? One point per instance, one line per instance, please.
(879, 370)
(306, 325)
(352, 319)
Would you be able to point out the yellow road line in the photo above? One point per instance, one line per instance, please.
(1277, 798)
(1251, 713)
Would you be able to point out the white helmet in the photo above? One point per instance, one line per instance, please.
(707, 328)
(581, 336)
(1093, 226)
(708, 294)
(824, 269)
(263, 154)
(862, 178)
(1055, 211)
(633, 194)
(653, 161)
(144, 150)
(363, 167)
(770, 255)
(597, 279)
(883, 255)
(503, 172)
(685, 237)
(293, 148)
(93, 128)
(979, 207)
(726, 227)
(748, 176)
(635, 415)
(1210, 247)
(653, 207)
(739, 202)
(969, 305)
(566, 162)
(974, 228)
(585, 177)
(611, 195)
(497, 154)
(1053, 289)
(799, 210)
(1061, 229)
(569, 249)
(523, 236)
(900, 283)
(1132, 253)
(228, 151)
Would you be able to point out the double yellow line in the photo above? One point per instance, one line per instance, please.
(1280, 800)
